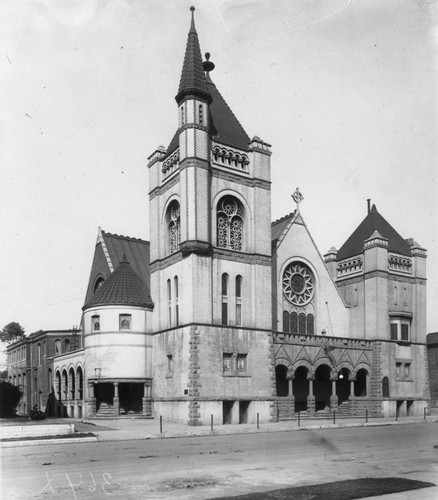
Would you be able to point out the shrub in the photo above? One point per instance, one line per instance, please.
(36, 414)
(10, 396)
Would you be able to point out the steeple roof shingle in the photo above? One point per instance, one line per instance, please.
(373, 222)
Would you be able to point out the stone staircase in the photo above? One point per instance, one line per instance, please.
(105, 411)
(343, 409)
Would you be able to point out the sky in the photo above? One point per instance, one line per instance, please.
(344, 90)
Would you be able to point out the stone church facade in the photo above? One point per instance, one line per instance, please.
(224, 313)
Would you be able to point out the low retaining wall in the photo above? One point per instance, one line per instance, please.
(37, 430)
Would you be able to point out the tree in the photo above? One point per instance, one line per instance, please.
(12, 331)
(10, 396)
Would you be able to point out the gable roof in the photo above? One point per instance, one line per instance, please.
(373, 222)
(124, 287)
(278, 227)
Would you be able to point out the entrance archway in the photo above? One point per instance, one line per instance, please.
(322, 388)
(281, 381)
(300, 386)
(360, 384)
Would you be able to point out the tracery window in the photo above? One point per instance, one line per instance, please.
(298, 284)
(229, 224)
(174, 226)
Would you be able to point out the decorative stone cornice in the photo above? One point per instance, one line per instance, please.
(159, 190)
(230, 158)
(237, 178)
(170, 164)
(350, 266)
(247, 258)
(400, 263)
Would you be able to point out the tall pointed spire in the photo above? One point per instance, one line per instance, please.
(192, 76)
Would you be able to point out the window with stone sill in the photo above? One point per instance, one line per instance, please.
(234, 364)
(400, 330)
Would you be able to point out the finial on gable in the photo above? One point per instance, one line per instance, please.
(298, 198)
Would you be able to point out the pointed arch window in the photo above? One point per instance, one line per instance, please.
(229, 224)
(174, 226)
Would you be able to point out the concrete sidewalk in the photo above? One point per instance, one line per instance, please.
(126, 429)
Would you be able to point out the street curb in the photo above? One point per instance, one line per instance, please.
(100, 437)
(32, 442)
(167, 435)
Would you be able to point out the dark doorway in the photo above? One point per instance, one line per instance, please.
(343, 385)
(227, 409)
(131, 398)
(409, 408)
(300, 385)
(104, 394)
(398, 408)
(322, 388)
(360, 384)
(281, 381)
(243, 412)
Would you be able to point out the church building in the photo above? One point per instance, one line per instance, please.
(225, 313)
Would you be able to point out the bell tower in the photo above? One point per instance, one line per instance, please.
(210, 251)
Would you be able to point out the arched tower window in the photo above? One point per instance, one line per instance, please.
(169, 303)
(225, 299)
(176, 301)
(174, 226)
(229, 224)
(238, 300)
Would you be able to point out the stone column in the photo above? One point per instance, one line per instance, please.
(90, 401)
(291, 409)
(147, 400)
(116, 400)
(351, 388)
(334, 397)
(310, 398)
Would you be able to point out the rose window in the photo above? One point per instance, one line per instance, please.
(229, 224)
(298, 284)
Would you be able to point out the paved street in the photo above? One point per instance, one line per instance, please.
(214, 466)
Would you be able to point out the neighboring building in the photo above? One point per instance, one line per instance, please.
(432, 351)
(30, 366)
(226, 314)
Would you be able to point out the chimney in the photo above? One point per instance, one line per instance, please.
(369, 204)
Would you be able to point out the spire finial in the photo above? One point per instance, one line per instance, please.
(192, 24)
(207, 65)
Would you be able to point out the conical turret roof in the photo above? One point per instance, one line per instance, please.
(124, 287)
(192, 75)
(373, 222)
